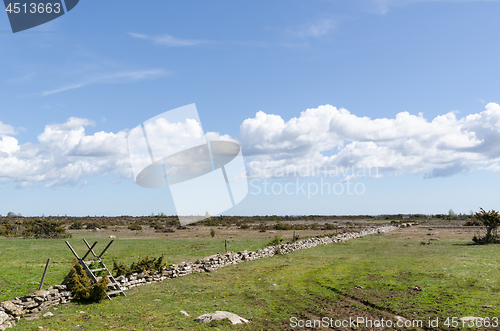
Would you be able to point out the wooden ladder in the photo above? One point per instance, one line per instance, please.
(115, 286)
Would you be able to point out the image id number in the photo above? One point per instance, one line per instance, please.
(33, 8)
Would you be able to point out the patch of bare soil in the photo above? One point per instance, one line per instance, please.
(345, 313)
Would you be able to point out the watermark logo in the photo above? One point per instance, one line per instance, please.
(309, 180)
(25, 15)
(204, 177)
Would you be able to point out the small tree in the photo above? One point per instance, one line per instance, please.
(491, 220)
(212, 232)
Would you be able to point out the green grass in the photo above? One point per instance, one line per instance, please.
(23, 260)
(456, 280)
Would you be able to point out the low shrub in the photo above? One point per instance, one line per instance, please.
(78, 225)
(282, 226)
(314, 226)
(146, 264)
(120, 269)
(329, 226)
(97, 265)
(135, 227)
(81, 287)
(276, 240)
(485, 240)
(44, 229)
(92, 225)
(164, 229)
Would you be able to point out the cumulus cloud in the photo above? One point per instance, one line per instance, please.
(63, 155)
(66, 155)
(6, 129)
(320, 141)
(8, 145)
(329, 138)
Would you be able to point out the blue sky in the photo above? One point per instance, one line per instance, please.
(407, 87)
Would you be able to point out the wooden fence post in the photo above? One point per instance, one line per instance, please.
(44, 274)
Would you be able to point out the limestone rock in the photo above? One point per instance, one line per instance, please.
(13, 309)
(41, 293)
(31, 317)
(7, 325)
(3, 317)
(220, 315)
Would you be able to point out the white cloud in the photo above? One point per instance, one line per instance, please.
(331, 138)
(168, 40)
(383, 6)
(8, 145)
(321, 28)
(323, 138)
(216, 136)
(6, 129)
(63, 155)
(166, 138)
(116, 77)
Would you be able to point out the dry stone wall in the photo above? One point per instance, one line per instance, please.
(28, 306)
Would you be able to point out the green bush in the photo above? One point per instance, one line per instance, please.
(276, 240)
(281, 226)
(120, 269)
(43, 229)
(97, 265)
(329, 226)
(491, 220)
(92, 225)
(147, 265)
(314, 226)
(212, 232)
(81, 287)
(78, 225)
(135, 227)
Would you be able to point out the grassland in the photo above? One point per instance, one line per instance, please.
(457, 279)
